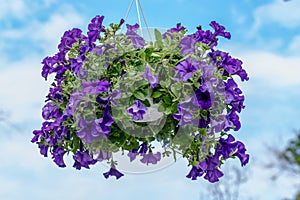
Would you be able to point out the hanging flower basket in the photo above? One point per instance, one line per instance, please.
(147, 99)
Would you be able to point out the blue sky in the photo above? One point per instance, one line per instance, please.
(265, 35)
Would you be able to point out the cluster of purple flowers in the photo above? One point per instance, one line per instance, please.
(74, 122)
(210, 166)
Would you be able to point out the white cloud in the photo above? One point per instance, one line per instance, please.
(271, 69)
(284, 13)
(47, 34)
(16, 8)
(22, 88)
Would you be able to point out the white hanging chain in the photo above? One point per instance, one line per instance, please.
(138, 8)
(138, 13)
(140, 5)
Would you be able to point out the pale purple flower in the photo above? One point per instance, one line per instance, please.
(137, 41)
(95, 87)
(151, 158)
(88, 131)
(137, 110)
(187, 45)
(153, 80)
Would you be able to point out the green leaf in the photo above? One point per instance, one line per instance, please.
(167, 99)
(158, 38)
(158, 35)
(139, 95)
(162, 107)
(156, 94)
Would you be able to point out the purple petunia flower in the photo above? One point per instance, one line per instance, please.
(113, 172)
(115, 94)
(177, 29)
(227, 146)
(48, 65)
(49, 111)
(206, 37)
(103, 155)
(104, 123)
(137, 41)
(153, 80)
(142, 150)
(205, 99)
(132, 154)
(232, 120)
(95, 28)
(186, 69)
(137, 110)
(69, 38)
(209, 167)
(88, 131)
(244, 158)
(184, 115)
(95, 87)
(58, 154)
(83, 159)
(219, 30)
(44, 150)
(231, 65)
(151, 158)
(187, 45)
(233, 95)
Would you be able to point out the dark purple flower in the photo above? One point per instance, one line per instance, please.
(58, 154)
(137, 110)
(233, 95)
(231, 65)
(187, 45)
(95, 28)
(69, 38)
(83, 159)
(37, 135)
(137, 41)
(48, 65)
(153, 80)
(88, 131)
(96, 87)
(219, 30)
(212, 172)
(49, 111)
(241, 153)
(186, 69)
(205, 99)
(205, 37)
(232, 120)
(227, 146)
(44, 150)
(151, 158)
(115, 94)
(113, 172)
(104, 123)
